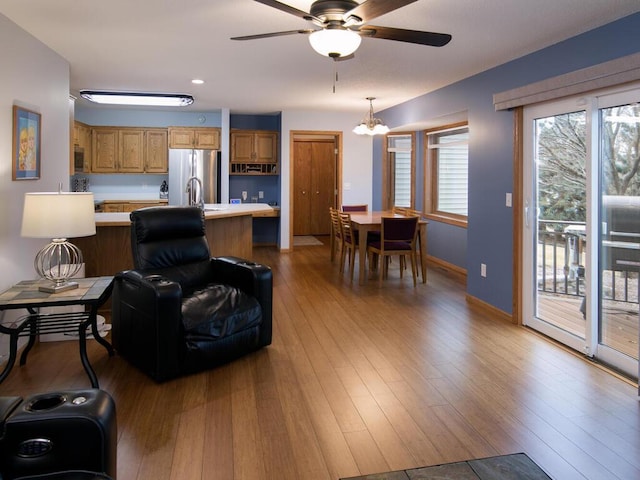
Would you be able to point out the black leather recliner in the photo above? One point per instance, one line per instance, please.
(181, 311)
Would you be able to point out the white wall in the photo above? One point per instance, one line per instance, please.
(34, 77)
(357, 167)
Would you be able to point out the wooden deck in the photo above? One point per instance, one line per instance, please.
(619, 330)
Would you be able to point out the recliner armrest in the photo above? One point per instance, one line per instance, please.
(253, 278)
(147, 322)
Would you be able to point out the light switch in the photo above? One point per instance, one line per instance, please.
(509, 201)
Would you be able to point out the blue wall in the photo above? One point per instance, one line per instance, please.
(265, 230)
(252, 184)
(489, 236)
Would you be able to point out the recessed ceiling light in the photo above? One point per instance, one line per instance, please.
(137, 98)
(197, 81)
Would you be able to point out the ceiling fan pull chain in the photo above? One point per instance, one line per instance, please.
(335, 76)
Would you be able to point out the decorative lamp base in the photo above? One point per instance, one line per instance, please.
(55, 288)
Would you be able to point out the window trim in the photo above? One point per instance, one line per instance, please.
(386, 200)
(431, 179)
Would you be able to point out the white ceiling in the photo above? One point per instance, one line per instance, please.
(160, 45)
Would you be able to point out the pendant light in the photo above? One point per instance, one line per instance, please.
(371, 125)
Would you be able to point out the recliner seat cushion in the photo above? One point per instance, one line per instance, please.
(218, 311)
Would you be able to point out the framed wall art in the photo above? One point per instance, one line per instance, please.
(26, 144)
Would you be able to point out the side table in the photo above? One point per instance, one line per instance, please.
(91, 292)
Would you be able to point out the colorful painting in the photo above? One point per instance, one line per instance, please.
(26, 144)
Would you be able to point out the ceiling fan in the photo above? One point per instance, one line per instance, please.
(342, 25)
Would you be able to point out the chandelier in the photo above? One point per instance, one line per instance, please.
(371, 125)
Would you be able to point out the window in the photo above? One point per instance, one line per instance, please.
(399, 171)
(447, 173)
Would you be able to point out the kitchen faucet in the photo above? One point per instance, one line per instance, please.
(195, 194)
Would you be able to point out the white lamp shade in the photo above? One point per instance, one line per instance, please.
(377, 129)
(58, 215)
(335, 42)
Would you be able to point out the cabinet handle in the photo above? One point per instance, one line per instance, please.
(304, 192)
(317, 192)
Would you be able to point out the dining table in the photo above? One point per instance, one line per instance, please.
(365, 222)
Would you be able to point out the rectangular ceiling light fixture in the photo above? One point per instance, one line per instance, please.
(137, 98)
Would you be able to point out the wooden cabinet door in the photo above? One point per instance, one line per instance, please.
(242, 147)
(323, 184)
(85, 143)
(314, 180)
(181, 137)
(112, 207)
(207, 138)
(301, 188)
(131, 151)
(156, 151)
(265, 144)
(104, 157)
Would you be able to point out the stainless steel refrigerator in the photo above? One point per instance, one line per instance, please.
(203, 164)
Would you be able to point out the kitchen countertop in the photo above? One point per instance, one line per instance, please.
(211, 211)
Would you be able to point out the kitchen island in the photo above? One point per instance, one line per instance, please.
(229, 230)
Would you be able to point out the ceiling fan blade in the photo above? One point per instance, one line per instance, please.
(370, 9)
(401, 35)
(284, 7)
(274, 34)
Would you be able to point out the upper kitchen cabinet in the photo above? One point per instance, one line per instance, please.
(156, 151)
(129, 150)
(104, 152)
(81, 148)
(254, 152)
(205, 138)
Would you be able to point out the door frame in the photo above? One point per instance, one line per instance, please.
(313, 135)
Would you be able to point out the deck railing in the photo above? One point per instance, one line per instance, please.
(561, 259)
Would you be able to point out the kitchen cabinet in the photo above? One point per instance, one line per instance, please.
(104, 152)
(82, 140)
(254, 152)
(129, 150)
(156, 151)
(204, 138)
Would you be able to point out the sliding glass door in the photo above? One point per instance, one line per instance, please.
(582, 224)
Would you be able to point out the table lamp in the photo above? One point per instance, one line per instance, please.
(58, 216)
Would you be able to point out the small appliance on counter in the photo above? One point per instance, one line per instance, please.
(164, 190)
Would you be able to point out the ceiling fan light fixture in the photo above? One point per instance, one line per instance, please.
(371, 125)
(137, 98)
(333, 42)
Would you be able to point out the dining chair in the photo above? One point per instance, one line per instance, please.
(372, 234)
(417, 213)
(398, 236)
(349, 242)
(336, 234)
(355, 208)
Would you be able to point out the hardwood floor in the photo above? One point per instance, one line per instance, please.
(359, 380)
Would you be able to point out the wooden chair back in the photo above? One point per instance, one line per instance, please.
(355, 208)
